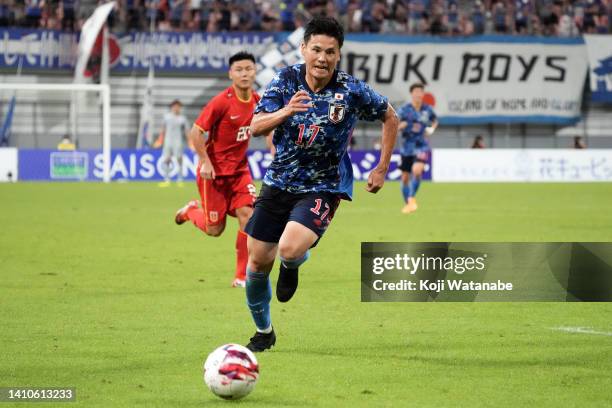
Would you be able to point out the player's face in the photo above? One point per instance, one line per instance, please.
(417, 95)
(176, 109)
(242, 73)
(321, 55)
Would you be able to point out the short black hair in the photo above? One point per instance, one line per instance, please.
(326, 26)
(416, 85)
(242, 55)
(176, 102)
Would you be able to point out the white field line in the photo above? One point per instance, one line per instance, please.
(581, 330)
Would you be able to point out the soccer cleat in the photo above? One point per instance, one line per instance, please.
(261, 341)
(287, 283)
(238, 283)
(407, 209)
(181, 215)
(164, 184)
(410, 207)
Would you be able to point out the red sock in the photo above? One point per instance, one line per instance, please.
(196, 216)
(242, 255)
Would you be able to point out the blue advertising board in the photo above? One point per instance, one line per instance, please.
(146, 165)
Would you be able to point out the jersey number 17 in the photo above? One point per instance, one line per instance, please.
(313, 130)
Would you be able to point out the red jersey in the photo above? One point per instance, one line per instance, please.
(227, 119)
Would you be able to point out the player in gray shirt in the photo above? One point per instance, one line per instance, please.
(174, 133)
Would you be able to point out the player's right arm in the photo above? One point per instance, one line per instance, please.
(263, 123)
(209, 117)
(198, 139)
(434, 124)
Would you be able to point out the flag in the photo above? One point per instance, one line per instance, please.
(5, 130)
(89, 34)
(279, 56)
(145, 129)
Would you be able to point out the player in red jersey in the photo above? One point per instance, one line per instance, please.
(221, 136)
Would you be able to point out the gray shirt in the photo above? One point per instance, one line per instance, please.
(176, 126)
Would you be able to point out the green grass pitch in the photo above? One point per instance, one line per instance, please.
(99, 290)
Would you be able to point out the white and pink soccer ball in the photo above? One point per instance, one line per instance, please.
(231, 371)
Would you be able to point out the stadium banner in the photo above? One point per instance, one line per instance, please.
(486, 79)
(522, 165)
(147, 165)
(171, 52)
(8, 164)
(599, 49)
(486, 272)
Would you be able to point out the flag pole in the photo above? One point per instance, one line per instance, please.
(5, 130)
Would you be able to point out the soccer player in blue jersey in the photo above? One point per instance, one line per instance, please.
(418, 121)
(312, 108)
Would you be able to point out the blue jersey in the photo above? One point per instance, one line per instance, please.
(311, 146)
(413, 135)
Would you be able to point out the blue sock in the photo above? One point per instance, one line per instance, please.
(406, 191)
(259, 294)
(414, 186)
(293, 264)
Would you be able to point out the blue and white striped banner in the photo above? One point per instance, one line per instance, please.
(599, 48)
(484, 79)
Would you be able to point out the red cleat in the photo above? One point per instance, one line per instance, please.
(181, 215)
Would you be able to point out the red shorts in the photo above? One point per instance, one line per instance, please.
(225, 194)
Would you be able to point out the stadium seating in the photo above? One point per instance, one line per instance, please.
(437, 17)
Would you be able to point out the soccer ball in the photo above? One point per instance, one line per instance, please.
(231, 371)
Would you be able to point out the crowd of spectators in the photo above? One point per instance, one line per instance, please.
(425, 17)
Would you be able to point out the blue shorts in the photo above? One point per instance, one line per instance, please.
(421, 156)
(274, 208)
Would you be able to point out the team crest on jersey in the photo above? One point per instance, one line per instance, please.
(214, 216)
(336, 112)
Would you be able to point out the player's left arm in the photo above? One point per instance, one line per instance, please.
(434, 125)
(430, 129)
(389, 134)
